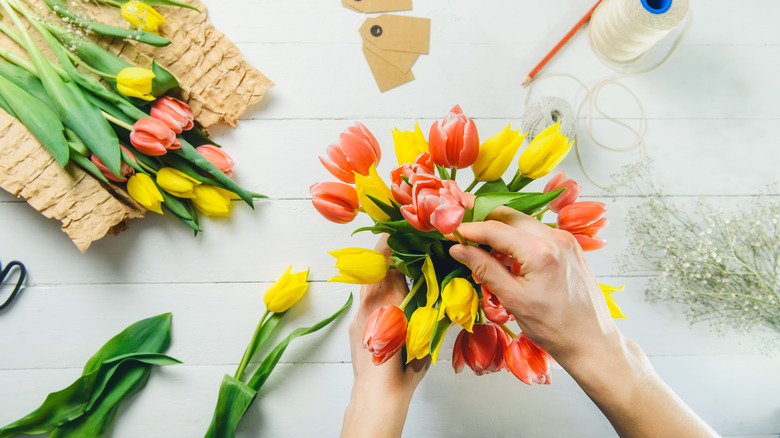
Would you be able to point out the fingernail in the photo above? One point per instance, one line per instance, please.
(458, 254)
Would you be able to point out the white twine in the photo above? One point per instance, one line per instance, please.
(630, 31)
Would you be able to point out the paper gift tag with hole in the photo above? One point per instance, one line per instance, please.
(392, 44)
(369, 6)
(385, 74)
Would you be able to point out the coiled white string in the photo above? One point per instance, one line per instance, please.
(627, 27)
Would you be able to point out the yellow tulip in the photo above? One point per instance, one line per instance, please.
(545, 152)
(614, 310)
(286, 291)
(419, 331)
(176, 182)
(430, 282)
(142, 188)
(359, 266)
(459, 301)
(496, 153)
(409, 145)
(135, 82)
(211, 201)
(142, 16)
(372, 185)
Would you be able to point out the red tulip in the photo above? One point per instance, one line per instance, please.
(385, 333)
(337, 202)
(454, 142)
(482, 350)
(401, 189)
(151, 136)
(356, 151)
(493, 309)
(569, 195)
(124, 170)
(527, 360)
(175, 113)
(436, 204)
(217, 157)
(584, 220)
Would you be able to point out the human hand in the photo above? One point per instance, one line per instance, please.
(380, 393)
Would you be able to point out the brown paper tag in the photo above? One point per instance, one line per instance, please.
(370, 6)
(385, 74)
(403, 61)
(398, 32)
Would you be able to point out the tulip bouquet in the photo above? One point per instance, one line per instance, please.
(112, 131)
(421, 211)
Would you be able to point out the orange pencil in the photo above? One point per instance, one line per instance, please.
(560, 44)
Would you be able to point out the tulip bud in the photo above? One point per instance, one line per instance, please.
(286, 291)
(584, 220)
(482, 350)
(175, 113)
(385, 333)
(409, 145)
(218, 157)
(176, 182)
(459, 301)
(496, 154)
(372, 186)
(337, 202)
(151, 136)
(527, 361)
(454, 143)
(211, 201)
(142, 189)
(436, 204)
(356, 151)
(135, 82)
(125, 169)
(418, 333)
(359, 266)
(545, 152)
(570, 193)
(614, 310)
(142, 16)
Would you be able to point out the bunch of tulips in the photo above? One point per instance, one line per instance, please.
(110, 117)
(421, 211)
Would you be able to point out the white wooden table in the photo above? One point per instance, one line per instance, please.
(712, 130)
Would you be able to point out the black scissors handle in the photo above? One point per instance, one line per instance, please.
(19, 282)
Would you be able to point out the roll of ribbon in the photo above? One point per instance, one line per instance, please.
(624, 30)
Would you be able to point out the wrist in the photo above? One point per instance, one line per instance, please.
(375, 412)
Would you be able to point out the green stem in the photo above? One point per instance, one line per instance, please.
(78, 61)
(508, 331)
(518, 182)
(453, 173)
(110, 3)
(250, 349)
(472, 185)
(462, 240)
(411, 294)
(116, 121)
(539, 213)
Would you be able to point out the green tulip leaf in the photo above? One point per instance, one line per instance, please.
(527, 203)
(492, 187)
(170, 3)
(391, 210)
(86, 164)
(197, 137)
(163, 80)
(150, 335)
(233, 400)
(439, 330)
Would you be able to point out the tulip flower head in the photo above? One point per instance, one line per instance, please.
(142, 189)
(218, 157)
(356, 151)
(125, 170)
(176, 182)
(496, 154)
(372, 186)
(151, 136)
(607, 291)
(528, 361)
(584, 220)
(436, 204)
(174, 113)
(570, 193)
(336, 202)
(359, 266)
(482, 349)
(454, 142)
(400, 176)
(142, 16)
(409, 144)
(545, 152)
(418, 333)
(494, 310)
(286, 291)
(459, 301)
(135, 82)
(212, 201)
(385, 333)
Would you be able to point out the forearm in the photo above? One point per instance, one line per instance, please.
(375, 414)
(626, 388)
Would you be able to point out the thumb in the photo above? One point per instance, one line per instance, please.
(484, 266)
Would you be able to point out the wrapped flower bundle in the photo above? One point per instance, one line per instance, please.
(110, 117)
(421, 210)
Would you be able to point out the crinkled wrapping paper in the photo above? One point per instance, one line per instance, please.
(215, 80)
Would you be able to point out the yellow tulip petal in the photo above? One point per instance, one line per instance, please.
(409, 145)
(286, 291)
(418, 333)
(607, 291)
(372, 186)
(359, 266)
(135, 82)
(496, 154)
(430, 282)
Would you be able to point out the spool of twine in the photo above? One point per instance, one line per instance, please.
(623, 30)
(546, 111)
